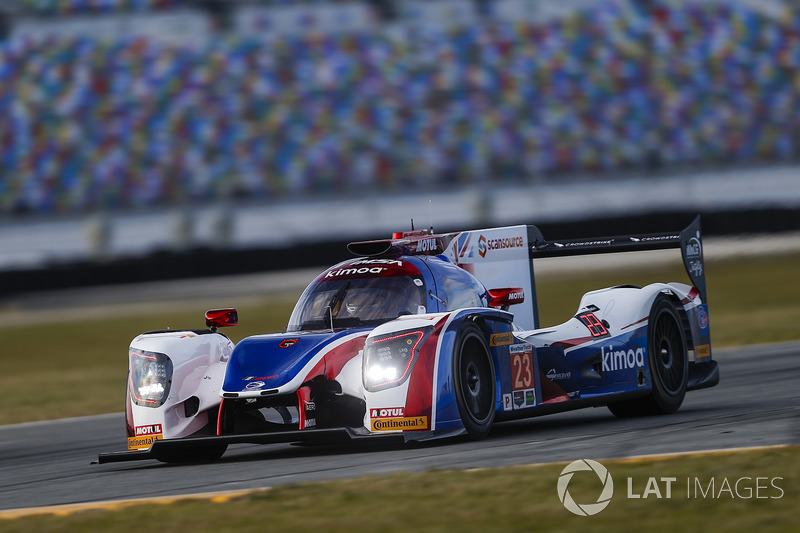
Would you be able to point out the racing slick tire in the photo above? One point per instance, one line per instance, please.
(668, 361)
(474, 381)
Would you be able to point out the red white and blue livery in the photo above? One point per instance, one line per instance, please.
(424, 336)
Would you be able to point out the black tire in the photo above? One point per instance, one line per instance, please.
(474, 378)
(668, 361)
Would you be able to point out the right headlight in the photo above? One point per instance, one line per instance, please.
(388, 359)
(149, 378)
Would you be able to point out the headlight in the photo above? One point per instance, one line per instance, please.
(149, 378)
(388, 359)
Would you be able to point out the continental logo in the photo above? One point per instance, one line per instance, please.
(142, 443)
(702, 351)
(501, 339)
(400, 424)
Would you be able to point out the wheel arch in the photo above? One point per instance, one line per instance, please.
(491, 322)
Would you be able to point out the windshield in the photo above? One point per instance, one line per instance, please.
(358, 301)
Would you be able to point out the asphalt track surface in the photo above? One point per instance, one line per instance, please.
(755, 404)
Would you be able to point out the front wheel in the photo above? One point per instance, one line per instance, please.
(668, 361)
(474, 378)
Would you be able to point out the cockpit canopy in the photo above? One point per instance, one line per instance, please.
(361, 292)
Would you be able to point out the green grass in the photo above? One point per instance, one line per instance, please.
(752, 300)
(520, 499)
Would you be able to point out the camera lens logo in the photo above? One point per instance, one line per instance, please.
(586, 509)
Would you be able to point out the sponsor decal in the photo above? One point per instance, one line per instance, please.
(389, 412)
(586, 243)
(145, 436)
(142, 443)
(355, 271)
(657, 238)
(552, 374)
(400, 424)
(427, 245)
(152, 429)
(482, 246)
(702, 317)
(288, 343)
(502, 243)
(395, 262)
(524, 398)
(693, 251)
(702, 351)
(310, 406)
(521, 348)
(255, 385)
(501, 339)
(621, 359)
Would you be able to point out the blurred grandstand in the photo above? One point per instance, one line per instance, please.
(125, 108)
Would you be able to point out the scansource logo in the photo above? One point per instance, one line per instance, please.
(585, 509)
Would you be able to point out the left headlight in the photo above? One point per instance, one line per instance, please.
(149, 378)
(388, 359)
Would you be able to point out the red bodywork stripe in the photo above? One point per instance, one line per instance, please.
(571, 343)
(694, 293)
(635, 323)
(303, 397)
(333, 362)
(219, 417)
(419, 398)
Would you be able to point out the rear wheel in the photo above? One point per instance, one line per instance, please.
(474, 381)
(668, 361)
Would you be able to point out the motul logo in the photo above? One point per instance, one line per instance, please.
(153, 429)
(427, 245)
(386, 413)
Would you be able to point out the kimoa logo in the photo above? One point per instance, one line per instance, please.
(586, 509)
(621, 359)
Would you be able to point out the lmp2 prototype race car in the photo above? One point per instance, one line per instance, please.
(406, 341)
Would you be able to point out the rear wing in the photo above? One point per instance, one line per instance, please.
(689, 240)
(502, 257)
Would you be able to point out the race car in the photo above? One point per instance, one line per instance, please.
(423, 336)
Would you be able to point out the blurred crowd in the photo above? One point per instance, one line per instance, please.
(68, 7)
(88, 123)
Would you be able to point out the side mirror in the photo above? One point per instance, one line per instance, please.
(503, 298)
(221, 318)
